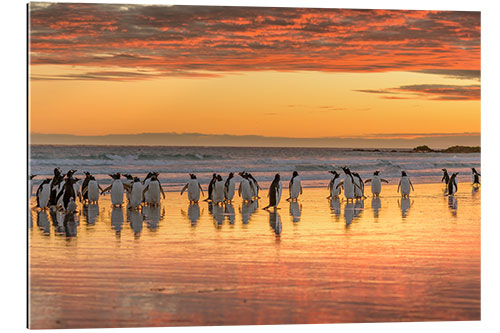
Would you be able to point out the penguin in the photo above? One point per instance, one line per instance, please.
(56, 184)
(116, 189)
(85, 185)
(43, 194)
(218, 191)
(245, 190)
(211, 187)
(129, 179)
(348, 184)
(135, 196)
(91, 191)
(376, 183)
(154, 189)
(31, 185)
(229, 188)
(295, 187)
(193, 187)
(333, 185)
(145, 183)
(254, 184)
(359, 188)
(475, 177)
(446, 177)
(452, 184)
(67, 192)
(405, 185)
(274, 192)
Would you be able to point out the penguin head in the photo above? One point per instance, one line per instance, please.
(86, 173)
(136, 179)
(128, 176)
(192, 175)
(333, 172)
(403, 173)
(231, 175)
(376, 173)
(295, 174)
(444, 170)
(474, 170)
(219, 178)
(214, 176)
(277, 176)
(154, 177)
(32, 176)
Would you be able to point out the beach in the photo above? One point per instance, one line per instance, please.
(314, 261)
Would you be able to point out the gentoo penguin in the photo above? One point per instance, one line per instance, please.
(405, 185)
(92, 190)
(56, 184)
(245, 189)
(295, 187)
(43, 194)
(446, 177)
(211, 187)
(254, 184)
(218, 191)
(31, 185)
(85, 184)
(229, 188)
(274, 192)
(332, 185)
(452, 184)
(475, 177)
(348, 184)
(129, 179)
(193, 187)
(376, 183)
(359, 188)
(135, 196)
(116, 188)
(154, 189)
(67, 192)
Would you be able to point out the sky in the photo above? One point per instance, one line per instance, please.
(101, 69)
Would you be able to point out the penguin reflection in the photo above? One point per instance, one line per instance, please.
(348, 213)
(90, 213)
(295, 211)
(42, 222)
(275, 221)
(218, 214)
(335, 206)
(153, 215)
(247, 209)
(229, 212)
(117, 219)
(70, 224)
(405, 205)
(193, 214)
(57, 220)
(135, 218)
(359, 205)
(376, 204)
(452, 204)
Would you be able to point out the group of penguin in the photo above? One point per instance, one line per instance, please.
(62, 190)
(451, 181)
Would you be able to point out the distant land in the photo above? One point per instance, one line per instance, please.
(436, 141)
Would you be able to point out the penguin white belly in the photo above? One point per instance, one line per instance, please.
(295, 190)
(278, 193)
(135, 197)
(154, 193)
(193, 190)
(255, 189)
(76, 188)
(117, 192)
(405, 186)
(230, 190)
(334, 191)
(146, 195)
(44, 196)
(376, 185)
(348, 188)
(93, 191)
(246, 190)
(218, 193)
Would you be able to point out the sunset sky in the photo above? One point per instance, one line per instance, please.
(98, 69)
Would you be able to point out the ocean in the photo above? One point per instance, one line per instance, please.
(175, 163)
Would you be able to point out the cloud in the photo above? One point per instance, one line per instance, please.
(174, 40)
(429, 91)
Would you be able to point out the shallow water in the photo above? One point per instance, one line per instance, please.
(314, 261)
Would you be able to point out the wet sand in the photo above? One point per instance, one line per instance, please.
(315, 261)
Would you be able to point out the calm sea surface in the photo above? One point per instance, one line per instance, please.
(315, 261)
